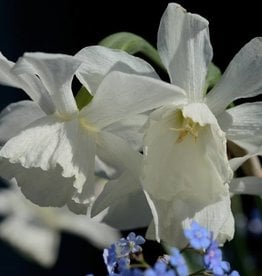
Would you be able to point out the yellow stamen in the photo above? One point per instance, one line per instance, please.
(190, 127)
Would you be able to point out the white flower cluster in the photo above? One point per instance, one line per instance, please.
(57, 153)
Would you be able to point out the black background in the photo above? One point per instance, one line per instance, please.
(69, 25)
(66, 27)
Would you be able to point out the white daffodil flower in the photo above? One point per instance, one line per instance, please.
(97, 63)
(52, 146)
(186, 172)
(191, 180)
(35, 231)
(59, 144)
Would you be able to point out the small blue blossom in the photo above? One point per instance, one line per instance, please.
(178, 261)
(234, 273)
(198, 237)
(213, 260)
(131, 244)
(119, 255)
(123, 264)
(132, 272)
(160, 269)
(114, 261)
(116, 257)
(110, 258)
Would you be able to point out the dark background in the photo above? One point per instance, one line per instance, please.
(69, 25)
(66, 27)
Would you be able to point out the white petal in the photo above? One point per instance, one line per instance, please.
(43, 220)
(127, 204)
(84, 163)
(151, 232)
(198, 164)
(130, 212)
(217, 218)
(98, 61)
(6, 77)
(11, 200)
(6, 201)
(43, 191)
(103, 170)
(176, 215)
(35, 242)
(250, 185)
(123, 95)
(185, 49)
(129, 130)
(242, 78)
(29, 228)
(243, 125)
(117, 153)
(50, 148)
(168, 219)
(191, 176)
(235, 163)
(16, 116)
(56, 73)
(99, 234)
(227, 230)
(200, 113)
(30, 83)
(154, 227)
(114, 191)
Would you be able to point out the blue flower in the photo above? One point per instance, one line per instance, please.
(178, 261)
(110, 258)
(198, 237)
(116, 257)
(123, 264)
(132, 272)
(234, 273)
(131, 244)
(160, 269)
(113, 261)
(213, 260)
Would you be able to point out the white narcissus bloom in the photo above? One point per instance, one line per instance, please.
(35, 231)
(51, 145)
(186, 172)
(191, 179)
(50, 140)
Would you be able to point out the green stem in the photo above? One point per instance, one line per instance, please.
(140, 259)
(185, 248)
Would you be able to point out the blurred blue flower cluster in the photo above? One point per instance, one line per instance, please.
(125, 257)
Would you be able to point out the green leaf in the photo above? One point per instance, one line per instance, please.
(83, 97)
(132, 44)
(213, 76)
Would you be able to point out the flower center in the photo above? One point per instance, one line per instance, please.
(87, 125)
(188, 127)
(132, 244)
